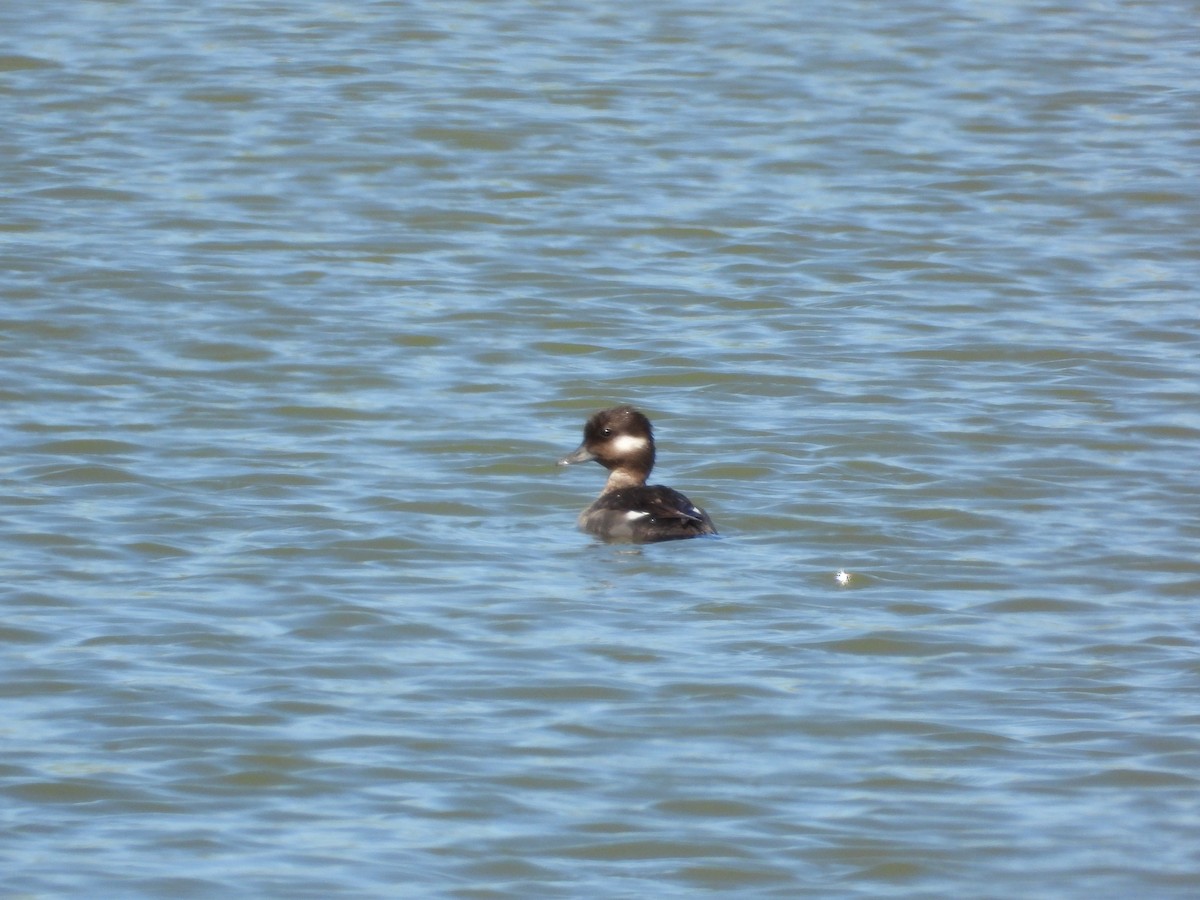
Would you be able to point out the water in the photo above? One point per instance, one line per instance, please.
(302, 303)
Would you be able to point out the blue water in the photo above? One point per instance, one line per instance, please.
(302, 303)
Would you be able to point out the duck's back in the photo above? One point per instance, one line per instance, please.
(645, 514)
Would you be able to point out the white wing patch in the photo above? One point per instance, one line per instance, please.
(634, 514)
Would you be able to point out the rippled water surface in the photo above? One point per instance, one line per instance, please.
(301, 302)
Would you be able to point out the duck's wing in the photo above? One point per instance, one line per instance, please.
(647, 513)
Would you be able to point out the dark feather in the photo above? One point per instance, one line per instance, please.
(669, 515)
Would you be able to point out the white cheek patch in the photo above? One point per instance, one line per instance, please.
(627, 444)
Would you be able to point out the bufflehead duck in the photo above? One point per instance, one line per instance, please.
(628, 509)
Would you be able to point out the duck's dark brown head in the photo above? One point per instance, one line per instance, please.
(622, 441)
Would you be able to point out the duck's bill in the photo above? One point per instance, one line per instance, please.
(580, 455)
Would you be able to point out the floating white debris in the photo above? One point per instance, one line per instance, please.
(843, 577)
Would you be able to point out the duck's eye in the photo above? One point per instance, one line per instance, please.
(607, 432)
